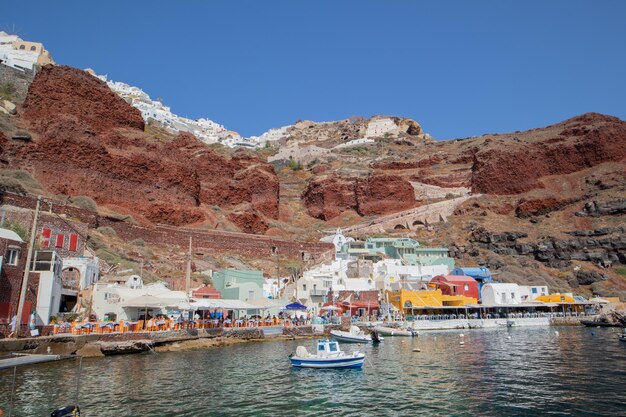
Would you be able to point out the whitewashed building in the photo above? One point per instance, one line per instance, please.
(494, 294)
(115, 299)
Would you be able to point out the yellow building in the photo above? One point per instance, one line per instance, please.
(405, 299)
(556, 298)
(44, 57)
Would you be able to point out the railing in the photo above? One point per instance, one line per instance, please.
(318, 292)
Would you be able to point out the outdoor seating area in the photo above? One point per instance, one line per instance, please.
(156, 325)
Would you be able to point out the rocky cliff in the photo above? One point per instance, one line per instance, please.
(88, 141)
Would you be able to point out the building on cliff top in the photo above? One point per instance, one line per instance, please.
(22, 55)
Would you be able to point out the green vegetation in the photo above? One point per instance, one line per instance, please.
(295, 165)
(107, 231)
(621, 270)
(18, 181)
(139, 242)
(84, 202)
(17, 228)
(7, 91)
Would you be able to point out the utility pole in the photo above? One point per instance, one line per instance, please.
(188, 277)
(29, 257)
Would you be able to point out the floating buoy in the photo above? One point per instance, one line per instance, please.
(556, 332)
(461, 335)
(509, 337)
(416, 350)
(461, 343)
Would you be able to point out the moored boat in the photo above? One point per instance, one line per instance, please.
(328, 356)
(355, 335)
(392, 331)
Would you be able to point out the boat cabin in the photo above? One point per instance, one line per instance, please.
(327, 347)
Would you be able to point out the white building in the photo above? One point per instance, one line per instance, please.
(392, 272)
(20, 54)
(115, 299)
(338, 239)
(494, 294)
(206, 130)
(51, 296)
(80, 272)
(531, 292)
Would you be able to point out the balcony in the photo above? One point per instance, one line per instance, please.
(318, 293)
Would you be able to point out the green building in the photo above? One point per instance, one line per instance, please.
(243, 285)
(405, 249)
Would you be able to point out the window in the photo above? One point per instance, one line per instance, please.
(303, 287)
(534, 290)
(22, 47)
(46, 232)
(513, 295)
(60, 241)
(12, 256)
(333, 347)
(466, 287)
(73, 241)
(33, 48)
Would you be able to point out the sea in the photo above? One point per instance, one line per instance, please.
(540, 371)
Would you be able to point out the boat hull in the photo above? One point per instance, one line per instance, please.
(348, 338)
(349, 362)
(390, 331)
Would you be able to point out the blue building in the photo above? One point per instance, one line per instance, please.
(481, 274)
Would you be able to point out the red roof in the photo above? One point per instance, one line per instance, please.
(453, 278)
(206, 292)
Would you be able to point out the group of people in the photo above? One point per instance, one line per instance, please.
(32, 323)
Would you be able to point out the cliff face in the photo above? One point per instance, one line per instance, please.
(578, 143)
(88, 141)
(380, 194)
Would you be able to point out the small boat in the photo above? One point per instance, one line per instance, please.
(355, 335)
(328, 356)
(392, 331)
(622, 337)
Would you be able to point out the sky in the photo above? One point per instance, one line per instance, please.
(460, 68)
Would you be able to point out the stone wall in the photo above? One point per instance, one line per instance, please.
(19, 80)
(217, 241)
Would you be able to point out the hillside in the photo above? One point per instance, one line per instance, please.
(544, 205)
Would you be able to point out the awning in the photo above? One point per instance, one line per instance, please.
(206, 304)
(151, 301)
(295, 306)
(263, 303)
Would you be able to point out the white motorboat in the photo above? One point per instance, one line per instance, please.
(355, 335)
(394, 331)
(328, 356)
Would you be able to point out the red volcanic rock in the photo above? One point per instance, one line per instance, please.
(61, 90)
(90, 142)
(593, 139)
(249, 221)
(174, 215)
(328, 198)
(539, 206)
(380, 194)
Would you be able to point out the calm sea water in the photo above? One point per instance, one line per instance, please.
(513, 372)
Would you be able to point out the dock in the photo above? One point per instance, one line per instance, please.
(27, 359)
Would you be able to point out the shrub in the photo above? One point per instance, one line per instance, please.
(295, 165)
(139, 242)
(84, 202)
(621, 270)
(17, 228)
(107, 231)
(18, 181)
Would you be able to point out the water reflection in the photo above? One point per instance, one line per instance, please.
(521, 372)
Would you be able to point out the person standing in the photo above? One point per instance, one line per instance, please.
(13, 324)
(32, 321)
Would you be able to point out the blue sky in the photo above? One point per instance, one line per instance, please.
(460, 68)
